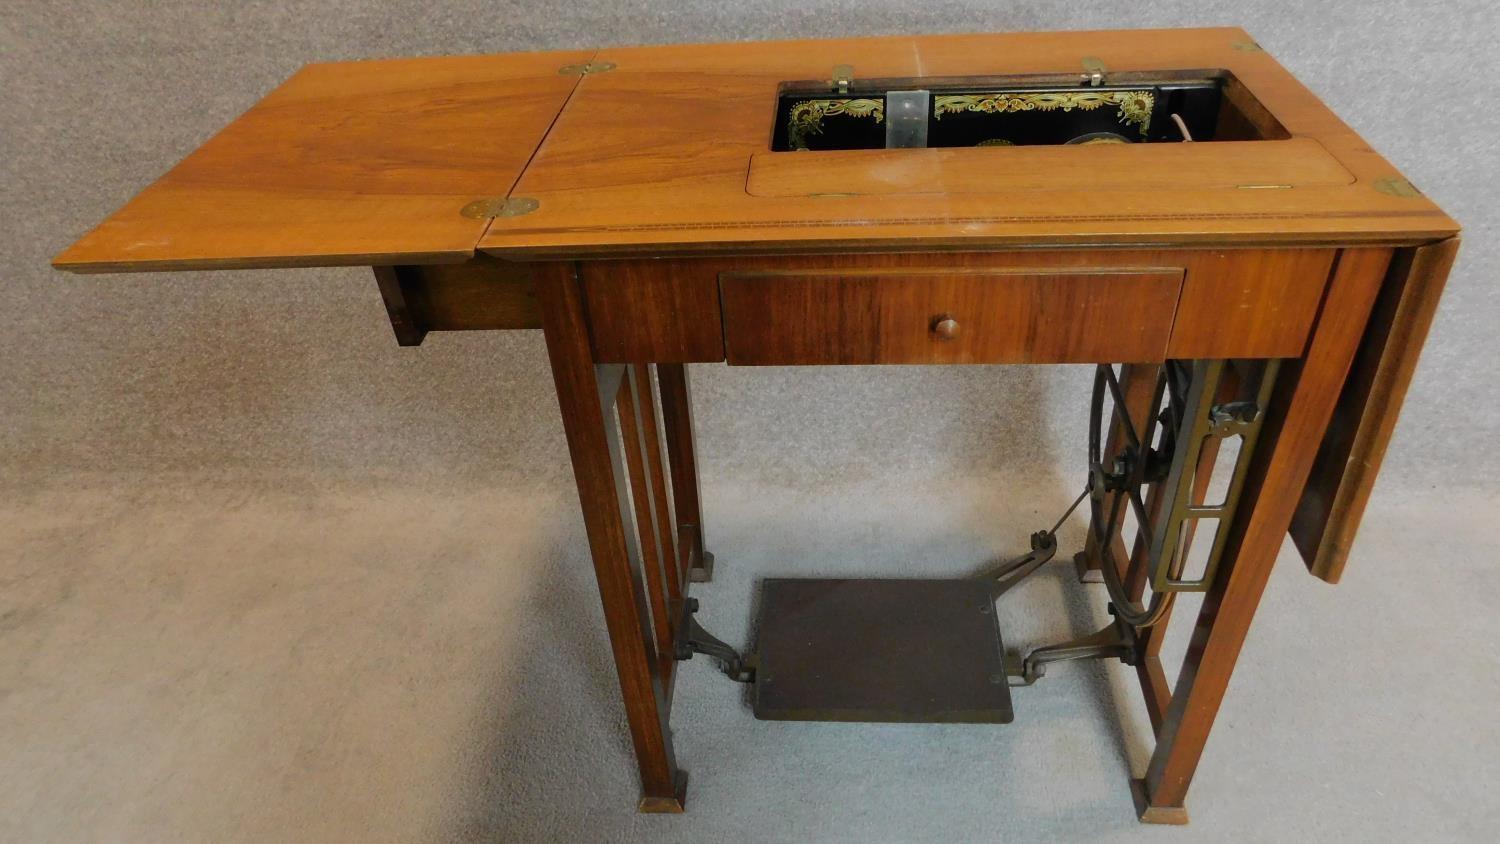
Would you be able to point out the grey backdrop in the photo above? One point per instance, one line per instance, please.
(266, 576)
(297, 369)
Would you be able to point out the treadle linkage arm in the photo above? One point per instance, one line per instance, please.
(692, 638)
(1197, 412)
(1118, 640)
(1043, 548)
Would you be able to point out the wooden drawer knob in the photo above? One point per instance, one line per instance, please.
(946, 328)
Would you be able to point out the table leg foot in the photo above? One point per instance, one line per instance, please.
(1147, 813)
(1086, 574)
(704, 571)
(674, 805)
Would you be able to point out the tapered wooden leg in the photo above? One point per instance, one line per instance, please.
(682, 455)
(586, 394)
(1305, 396)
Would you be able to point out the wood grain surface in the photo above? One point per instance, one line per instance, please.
(1234, 302)
(655, 156)
(347, 163)
(1333, 503)
(1306, 393)
(947, 317)
(369, 162)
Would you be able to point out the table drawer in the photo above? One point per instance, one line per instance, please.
(947, 316)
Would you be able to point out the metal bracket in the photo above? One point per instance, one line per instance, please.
(484, 209)
(1231, 418)
(1394, 186)
(906, 118)
(1205, 421)
(1093, 71)
(843, 77)
(1191, 420)
(1117, 641)
(585, 69)
(692, 638)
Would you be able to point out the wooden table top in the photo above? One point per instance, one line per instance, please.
(347, 163)
(665, 150)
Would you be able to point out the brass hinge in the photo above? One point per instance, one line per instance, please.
(495, 206)
(585, 69)
(1396, 186)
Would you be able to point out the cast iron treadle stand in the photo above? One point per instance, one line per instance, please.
(692, 638)
(1201, 405)
(911, 650)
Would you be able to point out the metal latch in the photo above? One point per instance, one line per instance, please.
(843, 77)
(1093, 71)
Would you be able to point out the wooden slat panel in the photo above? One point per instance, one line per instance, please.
(630, 400)
(666, 526)
(657, 311)
(1339, 488)
(1261, 304)
(855, 318)
(682, 462)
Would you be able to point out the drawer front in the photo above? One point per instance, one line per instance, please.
(947, 316)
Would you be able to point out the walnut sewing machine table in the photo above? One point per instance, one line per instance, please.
(1171, 206)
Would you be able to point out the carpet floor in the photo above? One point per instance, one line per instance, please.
(195, 659)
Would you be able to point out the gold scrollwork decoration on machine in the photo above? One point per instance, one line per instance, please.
(806, 117)
(1135, 106)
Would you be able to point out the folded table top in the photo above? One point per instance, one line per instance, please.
(665, 150)
(345, 163)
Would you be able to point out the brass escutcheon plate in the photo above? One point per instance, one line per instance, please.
(1396, 187)
(483, 209)
(585, 69)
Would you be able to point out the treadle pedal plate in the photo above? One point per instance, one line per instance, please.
(863, 649)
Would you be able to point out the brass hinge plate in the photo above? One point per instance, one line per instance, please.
(1396, 187)
(586, 69)
(492, 207)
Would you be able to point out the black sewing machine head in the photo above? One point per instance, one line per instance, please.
(1014, 111)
